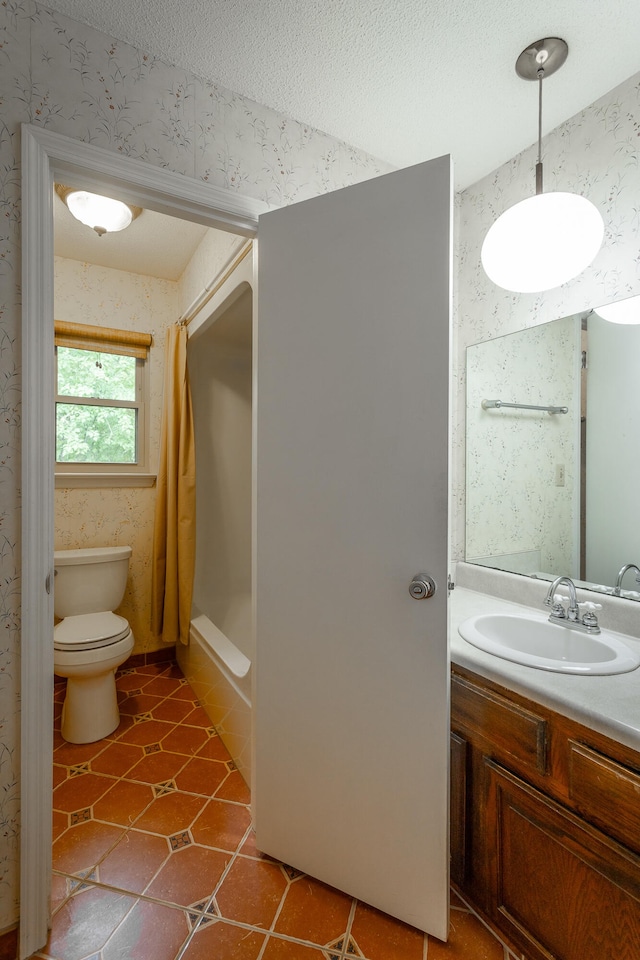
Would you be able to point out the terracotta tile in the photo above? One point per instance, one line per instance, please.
(198, 718)
(234, 788)
(221, 825)
(135, 660)
(151, 669)
(201, 776)
(171, 814)
(70, 753)
(285, 950)
(134, 861)
(80, 847)
(381, 937)
(190, 875)
(150, 931)
(214, 749)
(166, 655)
(125, 724)
(148, 731)
(175, 672)
(157, 767)
(468, 937)
(249, 847)
(123, 803)
(85, 922)
(187, 740)
(185, 692)
(223, 940)
(59, 691)
(139, 703)
(59, 825)
(9, 944)
(59, 774)
(59, 891)
(172, 709)
(130, 681)
(161, 686)
(251, 892)
(117, 758)
(314, 911)
(81, 791)
(58, 739)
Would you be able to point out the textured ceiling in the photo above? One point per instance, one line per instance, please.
(405, 80)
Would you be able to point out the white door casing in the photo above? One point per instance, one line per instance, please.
(47, 156)
(351, 708)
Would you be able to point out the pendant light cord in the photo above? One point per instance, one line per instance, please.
(539, 163)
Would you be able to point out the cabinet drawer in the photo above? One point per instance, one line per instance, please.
(605, 792)
(514, 730)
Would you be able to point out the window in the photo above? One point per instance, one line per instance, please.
(100, 399)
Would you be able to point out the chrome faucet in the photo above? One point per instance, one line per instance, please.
(623, 570)
(570, 617)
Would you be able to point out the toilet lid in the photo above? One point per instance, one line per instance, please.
(89, 630)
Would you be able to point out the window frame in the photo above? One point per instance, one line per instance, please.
(106, 341)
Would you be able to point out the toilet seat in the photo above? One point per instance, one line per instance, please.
(89, 631)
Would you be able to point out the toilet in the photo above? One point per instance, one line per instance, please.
(90, 642)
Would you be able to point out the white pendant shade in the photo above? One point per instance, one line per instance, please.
(542, 242)
(101, 213)
(622, 311)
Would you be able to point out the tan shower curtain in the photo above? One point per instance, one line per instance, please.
(175, 528)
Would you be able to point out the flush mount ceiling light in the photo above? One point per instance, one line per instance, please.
(621, 311)
(102, 214)
(549, 238)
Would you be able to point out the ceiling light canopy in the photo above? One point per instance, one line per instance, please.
(621, 311)
(547, 239)
(102, 214)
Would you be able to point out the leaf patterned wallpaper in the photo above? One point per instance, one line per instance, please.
(84, 84)
(87, 85)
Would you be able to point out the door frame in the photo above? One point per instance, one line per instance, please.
(49, 157)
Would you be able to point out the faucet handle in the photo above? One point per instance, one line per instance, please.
(590, 606)
(589, 619)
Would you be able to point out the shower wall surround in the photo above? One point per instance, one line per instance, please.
(84, 84)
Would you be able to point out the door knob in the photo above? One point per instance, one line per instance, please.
(422, 586)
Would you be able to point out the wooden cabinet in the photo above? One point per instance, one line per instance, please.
(545, 833)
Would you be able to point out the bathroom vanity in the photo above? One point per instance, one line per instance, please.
(545, 802)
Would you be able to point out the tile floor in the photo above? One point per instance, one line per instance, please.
(154, 857)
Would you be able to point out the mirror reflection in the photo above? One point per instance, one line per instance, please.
(555, 491)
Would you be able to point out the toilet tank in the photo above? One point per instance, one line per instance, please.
(89, 580)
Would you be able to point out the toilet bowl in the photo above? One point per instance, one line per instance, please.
(90, 642)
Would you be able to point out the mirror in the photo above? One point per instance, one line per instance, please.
(549, 492)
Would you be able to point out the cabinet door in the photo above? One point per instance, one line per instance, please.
(458, 808)
(559, 888)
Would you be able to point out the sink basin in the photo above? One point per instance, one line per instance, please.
(534, 642)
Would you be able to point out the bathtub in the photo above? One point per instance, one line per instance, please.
(220, 675)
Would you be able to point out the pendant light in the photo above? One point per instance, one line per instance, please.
(621, 311)
(102, 214)
(549, 238)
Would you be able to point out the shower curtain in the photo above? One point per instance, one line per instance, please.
(174, 530)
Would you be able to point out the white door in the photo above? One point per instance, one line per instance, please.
(352, 707)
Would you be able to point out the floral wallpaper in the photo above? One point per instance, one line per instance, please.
(84, 84)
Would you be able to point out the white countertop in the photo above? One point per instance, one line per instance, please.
(608, 704)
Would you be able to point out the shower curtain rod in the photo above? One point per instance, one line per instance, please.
(490, 404)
